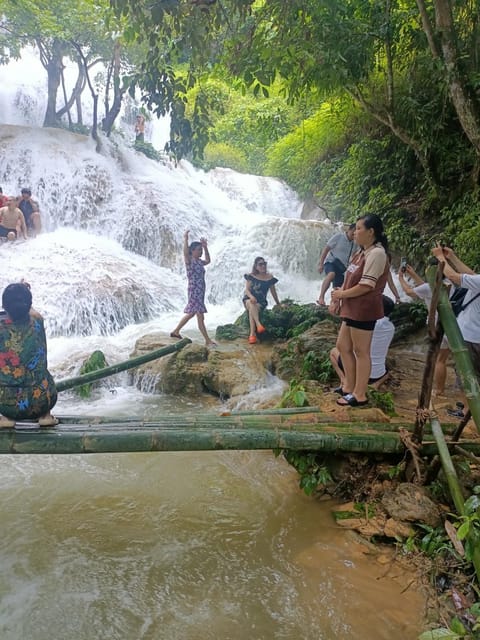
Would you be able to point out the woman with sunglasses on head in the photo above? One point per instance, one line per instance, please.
(361, 306)
(259, 283)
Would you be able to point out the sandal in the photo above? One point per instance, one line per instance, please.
(6, 422)
(340, 391)
(48, 421)
(350, 401)
(176, 335)
(252, 339)
(260, 328)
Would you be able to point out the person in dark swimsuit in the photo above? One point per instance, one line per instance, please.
(196, 287)
(259, 283)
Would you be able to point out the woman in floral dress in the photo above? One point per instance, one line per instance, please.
(27, 390)
(196, 287)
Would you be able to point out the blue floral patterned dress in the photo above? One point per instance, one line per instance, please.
(196, 287)
(27, 390)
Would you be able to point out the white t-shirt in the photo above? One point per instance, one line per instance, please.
(381, 339)
(469, 319)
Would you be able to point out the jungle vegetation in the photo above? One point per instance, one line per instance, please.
(360, 105)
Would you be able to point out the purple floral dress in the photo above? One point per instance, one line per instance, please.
(196, 287)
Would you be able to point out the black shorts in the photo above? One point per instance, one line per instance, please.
(338, 269)
(4, 231)
(366, 325)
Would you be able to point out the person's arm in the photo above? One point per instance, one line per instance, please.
(354, 292)
(186, 252)
(321, 260)
(248, 292)
(23, 226)
(440, 254)
(413, 275)
(455, 262)
(273, 291)
(405, 286)
(206, 259)
(392, 286)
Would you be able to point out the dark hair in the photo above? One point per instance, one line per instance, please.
(388, 305)
(372, 221)
(255, 262)
(351, 226)
(17, 301)
(193, 246)
(27, 191)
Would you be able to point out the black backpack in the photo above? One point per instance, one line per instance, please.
(457, 298)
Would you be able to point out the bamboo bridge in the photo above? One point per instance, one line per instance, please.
(298, 429)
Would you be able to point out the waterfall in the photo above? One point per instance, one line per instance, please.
(108, 267)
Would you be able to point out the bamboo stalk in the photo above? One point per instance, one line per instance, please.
(453, 483)
(68, 383)
(459, 351)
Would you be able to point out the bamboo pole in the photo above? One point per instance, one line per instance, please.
(459, 351)
(68, 383)
(435, 335)
(453, 483)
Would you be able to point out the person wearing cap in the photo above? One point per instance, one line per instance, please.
(27, 389)
(31, 211)
(12, 222)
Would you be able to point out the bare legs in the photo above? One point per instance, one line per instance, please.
(201, 325)
(253, 309)
(326, 282)
(354, 347)
(440, 375)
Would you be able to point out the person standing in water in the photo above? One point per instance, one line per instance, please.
(192, 255)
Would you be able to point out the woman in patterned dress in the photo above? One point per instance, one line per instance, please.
(259, 283)
(192, 255)
(27, 390)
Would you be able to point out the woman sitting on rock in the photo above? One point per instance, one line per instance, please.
(27, 390)
(259, 283)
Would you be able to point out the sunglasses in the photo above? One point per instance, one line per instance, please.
(261, 264)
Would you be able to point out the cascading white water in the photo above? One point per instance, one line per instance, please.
(109, 266)
(213, 545)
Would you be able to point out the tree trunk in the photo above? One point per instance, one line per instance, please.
(463, 99)
(112, 113)
(54, 67)
(76, 92)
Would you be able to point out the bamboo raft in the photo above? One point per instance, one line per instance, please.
(275, 429)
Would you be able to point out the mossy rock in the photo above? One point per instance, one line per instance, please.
(94, 362)
(281, 323)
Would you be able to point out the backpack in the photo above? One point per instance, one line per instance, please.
(457, 298)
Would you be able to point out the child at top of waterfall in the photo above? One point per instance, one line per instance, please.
(192, 255)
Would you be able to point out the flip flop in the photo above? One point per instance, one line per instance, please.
(252, 339)
(340, 391)
(350, 401)
(260, 328)
(176, 335)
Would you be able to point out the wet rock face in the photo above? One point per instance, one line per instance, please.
(410, 503)
(227, 372)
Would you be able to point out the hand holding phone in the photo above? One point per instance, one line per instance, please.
(403, 265)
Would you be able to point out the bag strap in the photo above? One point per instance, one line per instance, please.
(463, 307)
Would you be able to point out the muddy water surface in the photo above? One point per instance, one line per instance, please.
(184, 546)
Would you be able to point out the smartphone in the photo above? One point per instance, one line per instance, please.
(403, 265)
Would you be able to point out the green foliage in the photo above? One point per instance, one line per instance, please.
(313, 473)
(462, 229)
(295, 396)
(469, 524)
(383, 401)
(148, 150)
(94, 362)
(221, 154)
(317, 367)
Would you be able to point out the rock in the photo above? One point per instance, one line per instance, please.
(228, 371)
(410, 503)
(398, 530)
